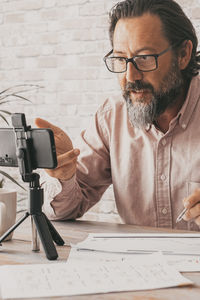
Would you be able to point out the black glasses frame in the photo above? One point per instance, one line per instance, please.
(132, 59)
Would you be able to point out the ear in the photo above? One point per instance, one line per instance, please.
(184, 55)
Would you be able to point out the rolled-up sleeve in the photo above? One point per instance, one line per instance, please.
(72, 198)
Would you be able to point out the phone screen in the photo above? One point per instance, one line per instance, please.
(41, 145)
(43, 150)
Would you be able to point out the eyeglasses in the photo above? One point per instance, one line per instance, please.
(144, 63)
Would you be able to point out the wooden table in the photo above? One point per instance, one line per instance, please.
(19, 251)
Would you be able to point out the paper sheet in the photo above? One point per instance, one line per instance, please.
(181, 250)
(182, 263)
(179, 244)
(147, 235)
(76, 278)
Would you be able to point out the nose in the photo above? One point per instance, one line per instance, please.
(132, 74)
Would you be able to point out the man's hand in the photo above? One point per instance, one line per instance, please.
(192, 203)
(66, 155)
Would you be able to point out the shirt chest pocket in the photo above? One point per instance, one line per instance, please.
(192, 186)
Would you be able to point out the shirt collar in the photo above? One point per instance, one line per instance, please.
(148, 127)
(185, 113)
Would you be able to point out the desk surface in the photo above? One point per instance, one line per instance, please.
(19, 251)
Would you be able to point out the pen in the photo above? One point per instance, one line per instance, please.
(180, 217)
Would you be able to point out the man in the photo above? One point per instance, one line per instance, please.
(146, 143)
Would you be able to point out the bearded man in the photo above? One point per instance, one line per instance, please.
(146, 143)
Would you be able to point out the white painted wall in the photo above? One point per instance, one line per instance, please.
(59, 44)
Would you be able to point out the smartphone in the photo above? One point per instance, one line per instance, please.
(41, 145)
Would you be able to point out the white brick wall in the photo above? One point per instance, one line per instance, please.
(59, 44)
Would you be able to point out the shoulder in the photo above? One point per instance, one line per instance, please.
(112, 108)
(195, 83)
(194, 88)
(193, 95)
(112, 119)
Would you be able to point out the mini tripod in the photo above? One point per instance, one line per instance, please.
(44, 227)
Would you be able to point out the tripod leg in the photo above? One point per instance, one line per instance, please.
(54, 233)
(45, 236)
(11, 229)
(35, 239)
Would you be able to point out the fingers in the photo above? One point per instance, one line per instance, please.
(192, 213)
(193, 204)
(41, 123)
(66, 165)
(192, 199)
(62, 140)
(68, 157)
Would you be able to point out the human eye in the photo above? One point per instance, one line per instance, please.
(145, 62)
(144, 57)
(120, 59)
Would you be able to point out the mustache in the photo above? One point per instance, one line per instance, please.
(137, 86)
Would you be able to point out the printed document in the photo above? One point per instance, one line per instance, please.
(143, 243)
(182, 263)
(83, 277)
(181, 250)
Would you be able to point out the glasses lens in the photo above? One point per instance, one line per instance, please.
(116, 64)
(146, 62)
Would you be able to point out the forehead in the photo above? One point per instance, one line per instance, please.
(139, 32)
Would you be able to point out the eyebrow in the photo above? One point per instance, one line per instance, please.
(136, 52)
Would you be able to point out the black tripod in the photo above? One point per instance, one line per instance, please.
(44, 227)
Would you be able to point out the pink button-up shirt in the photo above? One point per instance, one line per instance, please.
(151, 172)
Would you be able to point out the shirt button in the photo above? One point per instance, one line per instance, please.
(183, 126)
(163, 177)
(164, 142)
(164, 211)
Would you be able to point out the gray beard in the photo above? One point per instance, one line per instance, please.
(141, 113)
